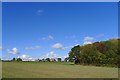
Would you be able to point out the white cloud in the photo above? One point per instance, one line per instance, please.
(87, 43)
(76, 44)
(13, 51)
(26, 58)
(50, 55)
(67, 47)
(49, 37)
(33, 48)
(6, 57)
(65, 56)
(39, 12)
(61, 47)
(58, 46)
(88, 40)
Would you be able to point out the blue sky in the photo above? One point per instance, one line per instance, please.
(0, 28)
(40, 30)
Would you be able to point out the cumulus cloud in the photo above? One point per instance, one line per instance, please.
(49, 37)
(57, 46)
(51, 54)
(65, 56)
(61, 47)
(13, 51)
(6, 57)
(32, 48)
(26, 58)
(88, 40)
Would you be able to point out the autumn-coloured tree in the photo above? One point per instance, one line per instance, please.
(104, 53)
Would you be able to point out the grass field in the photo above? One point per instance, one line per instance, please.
(0, 69)
(55, 70)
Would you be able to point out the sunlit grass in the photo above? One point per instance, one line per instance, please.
(55, 70)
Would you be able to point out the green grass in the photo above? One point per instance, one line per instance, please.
(0, 69)
(55, 70)
(119, 73)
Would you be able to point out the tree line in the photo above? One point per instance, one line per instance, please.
(37, 60)
(103, 53)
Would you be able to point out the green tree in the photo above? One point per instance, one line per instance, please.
(100, 47)
(99, 53)
(66, 59)
(74, 54)
(88, 54)
(19, 59)
(13, 59)
(48, 59)
(59, 59)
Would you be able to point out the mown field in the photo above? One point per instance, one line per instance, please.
(55, 70)
(0, 69)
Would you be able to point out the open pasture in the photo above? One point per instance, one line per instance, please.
(55, 70)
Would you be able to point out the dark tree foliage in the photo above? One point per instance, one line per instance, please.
(77, 61)
(66, 59)
(19, 59)
(104, 53)
(74, 54)
(48, 59)
(100, 47)
(59, 59)
(13, 59)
